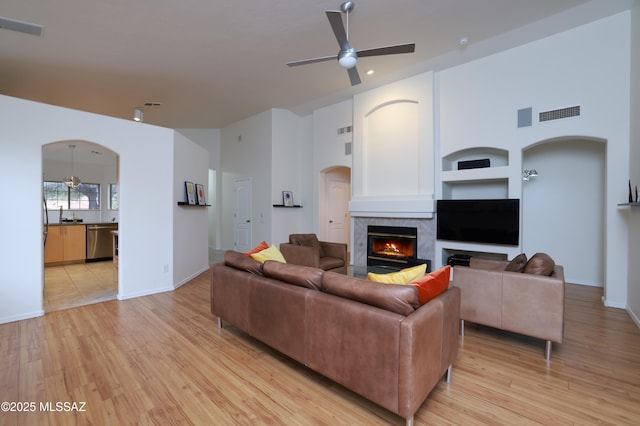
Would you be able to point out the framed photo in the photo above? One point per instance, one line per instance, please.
(287, 198)
(200, 194)
(191, 193)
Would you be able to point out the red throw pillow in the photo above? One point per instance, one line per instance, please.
(432, 284)
(262, 246)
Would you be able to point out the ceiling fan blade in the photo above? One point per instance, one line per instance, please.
(354, 76)
(312, 61)
(388, 50)
(335, 19)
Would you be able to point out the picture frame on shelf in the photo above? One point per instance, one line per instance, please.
(191, 193)
(200, 194)
(287, 198)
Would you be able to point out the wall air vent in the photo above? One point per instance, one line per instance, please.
(21, 27)
(344, 130)
(558, 114)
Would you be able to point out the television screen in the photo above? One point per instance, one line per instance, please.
(479, 221)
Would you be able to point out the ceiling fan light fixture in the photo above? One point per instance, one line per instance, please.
(348, 59)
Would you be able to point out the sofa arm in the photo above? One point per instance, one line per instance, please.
(301, 255)
(534, 305)
(337, 250)
(481, 298)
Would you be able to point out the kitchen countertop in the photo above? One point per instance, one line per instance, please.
(83, 223)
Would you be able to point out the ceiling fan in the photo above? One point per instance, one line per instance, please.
(348, 56)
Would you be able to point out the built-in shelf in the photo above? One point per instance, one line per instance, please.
(295, 206)
(634, 204)
(185, 203)
(482, 174)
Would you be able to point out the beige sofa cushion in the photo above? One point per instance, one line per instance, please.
(517, 264)
(540, 264)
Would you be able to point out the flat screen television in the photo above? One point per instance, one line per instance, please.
(479, 221)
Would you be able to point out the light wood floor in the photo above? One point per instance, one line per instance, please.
(160, 359)
(79, 284)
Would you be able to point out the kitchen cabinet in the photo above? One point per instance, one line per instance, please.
(66, 243)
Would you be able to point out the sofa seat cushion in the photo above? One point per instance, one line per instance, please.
(237, 260)
(401, 299)
(540, 264)
(328, 263)
(403, 276)
(302, 276)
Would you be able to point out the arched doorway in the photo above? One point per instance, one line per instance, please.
(335, 193)
(78, 263)
(563, 208)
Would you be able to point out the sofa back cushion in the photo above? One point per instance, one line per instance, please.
(540, 264)
(302, 276)
(308, 240)
(237, 260)
(400, 299)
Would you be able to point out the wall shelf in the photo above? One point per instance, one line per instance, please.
(295, 206)
(186, 204)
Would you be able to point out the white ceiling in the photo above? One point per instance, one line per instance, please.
(210, 63)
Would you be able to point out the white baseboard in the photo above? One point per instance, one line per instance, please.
(608, 304)
(4, 320)
(143, 293)
(192, 276)
(634, 317)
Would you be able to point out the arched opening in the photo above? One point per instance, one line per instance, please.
(563, 207)
(335, 193)
(79, 266)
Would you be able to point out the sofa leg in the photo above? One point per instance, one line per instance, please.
(449, 374)
(547, 352)
(219, 322)
(410, 421)
(462, 328)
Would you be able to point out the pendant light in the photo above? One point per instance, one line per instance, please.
(72, 181)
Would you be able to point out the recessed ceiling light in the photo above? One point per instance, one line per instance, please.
(370, 72)
(464, 41)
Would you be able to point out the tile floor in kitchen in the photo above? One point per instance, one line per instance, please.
(82, 284)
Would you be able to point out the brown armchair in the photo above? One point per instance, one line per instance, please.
(520, 302)
(305, 249)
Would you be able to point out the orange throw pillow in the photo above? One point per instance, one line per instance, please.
(262, 246)
(432, 284)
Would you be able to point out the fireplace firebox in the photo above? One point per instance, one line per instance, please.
(392, 246)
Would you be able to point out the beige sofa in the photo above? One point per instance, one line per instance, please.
(370, 337)
(520, 302)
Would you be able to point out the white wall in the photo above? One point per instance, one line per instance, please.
(393, 150)
(246, 150)
(146, 199)
(632, 214)
(329, 147)
(586, 66)
(190, 224)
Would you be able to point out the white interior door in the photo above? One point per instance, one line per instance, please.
(242, 215)
(337, 201)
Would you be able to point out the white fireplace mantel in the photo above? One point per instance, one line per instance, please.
(393, 206)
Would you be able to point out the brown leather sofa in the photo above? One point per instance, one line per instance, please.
(306, 249)
(520, 302)
(370, 337)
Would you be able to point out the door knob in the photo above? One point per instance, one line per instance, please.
(248, 221)
(330, 221)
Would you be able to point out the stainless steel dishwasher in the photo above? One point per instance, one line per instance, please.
(100, 241)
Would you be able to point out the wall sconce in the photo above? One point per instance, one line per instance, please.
(526, 174)
(137, 115)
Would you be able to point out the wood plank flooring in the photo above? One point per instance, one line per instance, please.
(160, 359)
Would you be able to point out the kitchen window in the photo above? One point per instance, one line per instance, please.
(113, 196)
(85, 196)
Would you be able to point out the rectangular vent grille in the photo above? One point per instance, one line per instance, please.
(347, 148)
(343, 130)
(558, 114)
